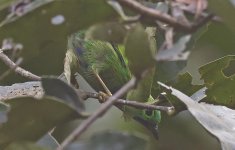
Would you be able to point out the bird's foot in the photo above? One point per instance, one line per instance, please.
(103, 97)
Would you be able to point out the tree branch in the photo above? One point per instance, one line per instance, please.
(135, 104)
(6, 73)
(104, 107)
(18, 69)
(139, 105)
(157, 15)
(35, 89)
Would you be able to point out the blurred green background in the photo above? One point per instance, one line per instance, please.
(44, 46)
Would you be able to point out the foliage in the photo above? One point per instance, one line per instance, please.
(153, 41)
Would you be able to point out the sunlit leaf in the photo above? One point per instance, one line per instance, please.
(220, 88)
(218, 120)
(184, 83)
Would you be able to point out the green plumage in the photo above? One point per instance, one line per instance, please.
(100, 57)
(110, 63)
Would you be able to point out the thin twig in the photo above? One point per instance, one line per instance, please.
(152, 13)
(102, 83)
(203, 14)
(201, 22)
(157, 15)
(130, 103)
(106, 106)
(139, 105)
(6, 73)
(18, 69)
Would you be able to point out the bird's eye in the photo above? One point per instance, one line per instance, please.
(149, 112)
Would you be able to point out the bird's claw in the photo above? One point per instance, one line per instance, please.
(103, 97)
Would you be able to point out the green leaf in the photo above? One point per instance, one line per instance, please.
(6, 3)
(59, 89)
(218, 30)
(110, 31)
(4, 109)
(218, 120)
(139, 50)
(107, 140)
(13, 13)
(183, 82)
(43, 40)
(220, 88)
(29, 119)
(143, 90)
(225, 10)
(25, 146)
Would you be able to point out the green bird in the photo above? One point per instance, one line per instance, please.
(104, 66)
